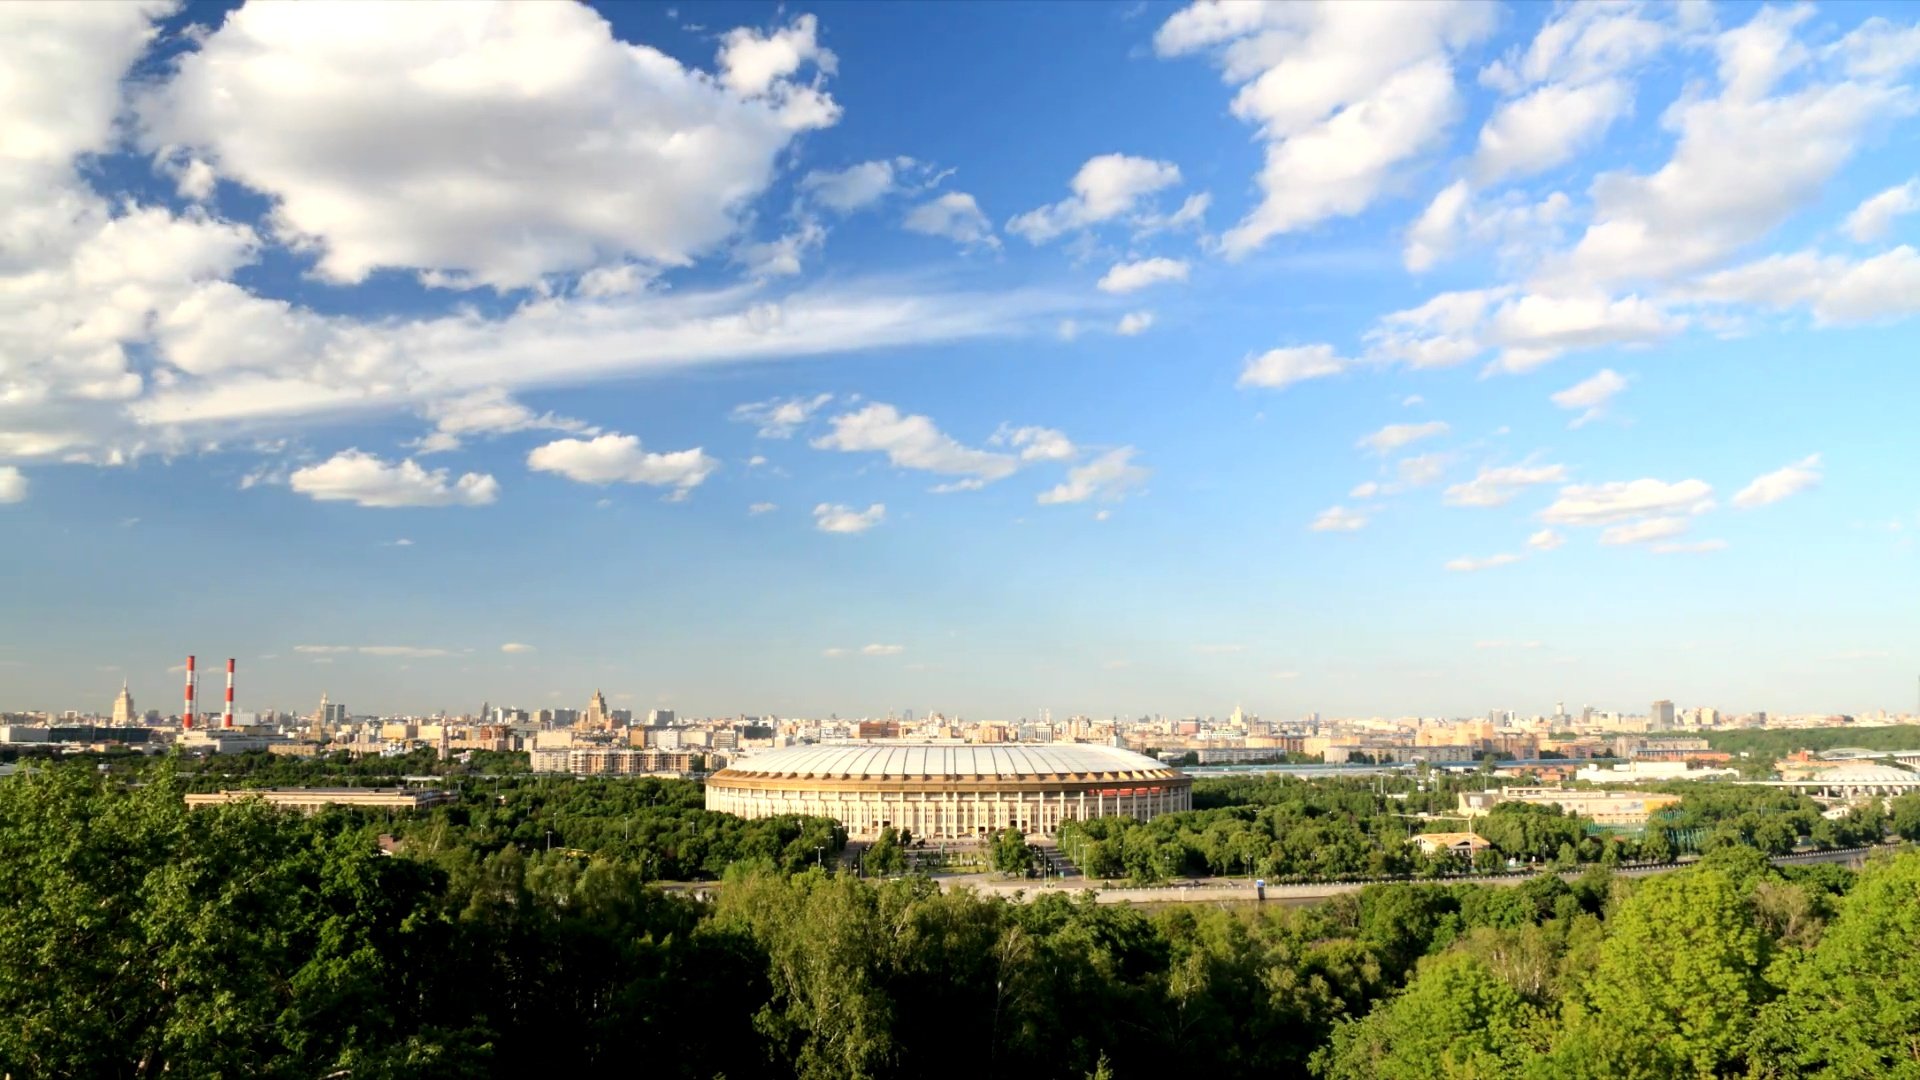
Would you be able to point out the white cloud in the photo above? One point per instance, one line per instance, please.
(1467, 564)
(614, 458)
(1431, 237)
(1134, 322)
(409, 652)
(1109, 477)
(1422, 469)
(516, 647)
(1338, 519)
(13, 485)
(754, 64)
(778, 418)
(761, 508)
(365, 480)
(1874, 218)
(1591, 395)
(1365, 490)
(490, 411)
(955, 216)
(784, 255)
(1036, 443)
(1644, 530)
(1548, 127)
(854, 187)
(1133, 276)
(1279, 368)
(1498, 485)
(535, 142)
(1394, 436)
(1770, 488)
(912, 442)
(835, 518)
(1744, 161)
(1837, 290)
(1534, 329)
(1105, 188)
(882, 650)
(1344, 95)
(1545, 540)
(1600, 504)
(833, 652)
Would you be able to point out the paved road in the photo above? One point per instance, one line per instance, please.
(1241, 889)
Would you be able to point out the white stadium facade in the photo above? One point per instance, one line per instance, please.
(950, 792)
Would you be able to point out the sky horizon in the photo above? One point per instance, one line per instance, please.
(1361, 359)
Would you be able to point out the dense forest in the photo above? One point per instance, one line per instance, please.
(137, 938)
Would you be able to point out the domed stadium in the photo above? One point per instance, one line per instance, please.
(950, 792)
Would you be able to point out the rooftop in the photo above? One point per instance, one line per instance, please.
(876, 760)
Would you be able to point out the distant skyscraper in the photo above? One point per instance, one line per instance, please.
(659, 717)
(123, 713)
(597, 717)
(1661, 718)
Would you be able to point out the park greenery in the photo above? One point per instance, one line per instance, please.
(1288, 829)
(138, 939)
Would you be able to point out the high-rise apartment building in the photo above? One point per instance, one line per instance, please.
(659, 717)
(1661, 716)
(597, 717)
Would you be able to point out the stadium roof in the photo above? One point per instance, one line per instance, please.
(875, 761)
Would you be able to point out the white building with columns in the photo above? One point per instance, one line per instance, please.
(950, 792)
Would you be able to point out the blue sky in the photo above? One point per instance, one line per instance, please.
(984, 358)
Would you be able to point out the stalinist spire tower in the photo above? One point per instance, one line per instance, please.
(123, 714)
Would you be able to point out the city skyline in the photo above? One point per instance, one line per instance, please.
(1526, 355)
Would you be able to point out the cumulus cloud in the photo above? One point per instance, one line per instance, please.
(1591, 395)
(365, 480)
(912, 442)
(1106, 187)
(835, 518)
(1770, 488)
(1838, 290)
(854, 187)
(1545, 540)
(778, 418)
(515, 166)
(761, 508)
(1643, 530)
(1394, 436)
(882, 650)
(1109, 477)
(516, 647)
(1343, 95)
(1498, 485)
(491, 411)
(1745, 158)
(1338, 519)
(1134, 322)
(619, 459)
(13, 485)
(1036, 443)
(1601, 504)
(955, 216)
(1279, 368)
(1468, 564)
(1133, 276)
(1874, 218)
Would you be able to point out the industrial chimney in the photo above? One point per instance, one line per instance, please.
(186, 716)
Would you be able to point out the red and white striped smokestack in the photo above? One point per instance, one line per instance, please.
(226, 718)
(186, 716)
